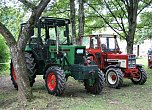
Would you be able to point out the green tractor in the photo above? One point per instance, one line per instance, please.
(49, 52)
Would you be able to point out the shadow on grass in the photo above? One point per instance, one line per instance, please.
(7, 101)
(128, 84)
(76, 89)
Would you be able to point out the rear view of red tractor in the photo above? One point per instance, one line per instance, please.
(104, 51)
(150, 58)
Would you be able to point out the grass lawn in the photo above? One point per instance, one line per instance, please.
(129, 97)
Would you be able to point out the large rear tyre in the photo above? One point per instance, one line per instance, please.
(97, 86)
(142, 78)
(114, 77)
(31, 65)
(13, 76)
(55, 81)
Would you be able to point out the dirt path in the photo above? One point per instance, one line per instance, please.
(5, 84)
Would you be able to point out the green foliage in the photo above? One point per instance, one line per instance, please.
(145, 26)
(93, 21)
(4, 54)
(59, 9)
(11, 17)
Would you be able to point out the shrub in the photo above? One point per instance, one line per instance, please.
(4, 54)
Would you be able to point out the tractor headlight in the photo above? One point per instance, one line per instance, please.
(129, 62)
(80, 51)
(132, 61)
(65, 54)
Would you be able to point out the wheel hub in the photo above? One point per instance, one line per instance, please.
(112, 77)
(51, 81)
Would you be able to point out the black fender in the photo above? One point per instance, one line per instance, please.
(139, 65)
(111, 66)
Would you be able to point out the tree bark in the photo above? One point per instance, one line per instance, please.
(24, 89)
(81, 20)
(132, 20)
(72, 15)
(17, 50)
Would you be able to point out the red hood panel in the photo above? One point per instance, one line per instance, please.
(117, 56)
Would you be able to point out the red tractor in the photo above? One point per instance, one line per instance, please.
(150, 58)
(104, 51)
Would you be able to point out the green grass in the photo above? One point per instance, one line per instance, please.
(129, 97)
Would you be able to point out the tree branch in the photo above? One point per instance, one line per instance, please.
(7, 35)
(107, 5)
(146, 5)
(125, 3)
(28, 4)
(123, 27)
(121, 17)
(25, 34)
(122, 9)
(104, 19)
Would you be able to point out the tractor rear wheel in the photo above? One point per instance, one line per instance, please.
(97, 87)
(13, 76)
(55, 80)
(114, 77)
(31, 65)
(142, 77)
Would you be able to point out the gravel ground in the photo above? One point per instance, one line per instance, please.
(6, 84)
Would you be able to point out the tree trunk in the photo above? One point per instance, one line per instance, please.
(17, 49)
(132, 20)
(81, 20)
(131, 34)
(24, 89)
(129, 44)
(72, 15)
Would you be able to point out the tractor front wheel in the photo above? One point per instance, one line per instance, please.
(114, 77)
(97, 86)
(142, 77)
(55, 81)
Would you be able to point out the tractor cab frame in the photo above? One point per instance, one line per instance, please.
(103, 50)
